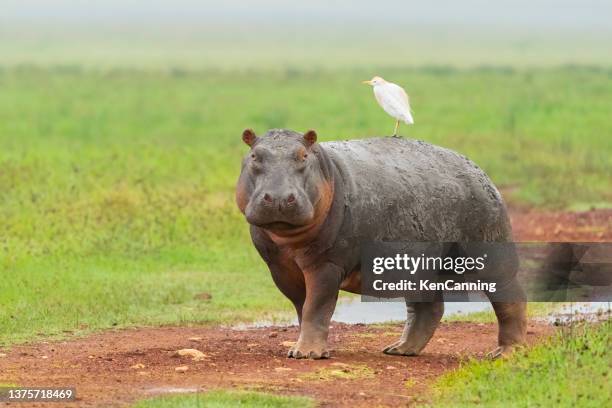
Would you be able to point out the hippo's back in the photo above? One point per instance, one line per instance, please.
(403, 189)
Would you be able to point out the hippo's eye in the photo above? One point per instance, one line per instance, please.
(300, 155)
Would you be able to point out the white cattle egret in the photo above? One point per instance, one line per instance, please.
(393, 99)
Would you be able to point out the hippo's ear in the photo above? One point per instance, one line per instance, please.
(310, 138)
(249, 137)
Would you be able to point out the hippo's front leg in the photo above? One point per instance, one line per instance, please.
(322, 286)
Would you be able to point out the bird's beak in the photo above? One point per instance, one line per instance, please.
(367, 82)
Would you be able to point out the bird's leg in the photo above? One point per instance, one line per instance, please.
(396, 127)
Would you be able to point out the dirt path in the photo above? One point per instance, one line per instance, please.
(587, 226)
(115, 368)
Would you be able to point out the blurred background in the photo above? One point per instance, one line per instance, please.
(120, 126)
(275, 34)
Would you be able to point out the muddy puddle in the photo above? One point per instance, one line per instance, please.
(354, 311)
(582, 311)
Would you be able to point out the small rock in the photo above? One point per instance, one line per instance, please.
(340, 365)
(272, 334)
(282, 369)
(252, 345)
(44, 357)
(138, 366)
(362, 394)
(196, 339)
(288, 343)
(390, 367)
(143, 373)
(181, 369)
(196, 355)
(3, 355)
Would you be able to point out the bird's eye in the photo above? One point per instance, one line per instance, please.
(305, 155)
(252, 156)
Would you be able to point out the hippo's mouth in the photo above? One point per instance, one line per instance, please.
(279, 226)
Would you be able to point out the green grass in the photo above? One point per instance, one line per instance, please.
(116, 186)
(221, 399)
(571, 370)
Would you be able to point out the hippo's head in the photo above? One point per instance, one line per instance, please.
(284, 184)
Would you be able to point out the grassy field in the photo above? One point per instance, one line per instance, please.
(116, 186)
(571, 370)
(220, 399)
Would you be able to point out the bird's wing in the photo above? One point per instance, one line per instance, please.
(399, 99)
(399, 94)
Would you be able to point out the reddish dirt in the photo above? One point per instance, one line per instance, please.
(587, 226)
(116, 368)
(104, 367)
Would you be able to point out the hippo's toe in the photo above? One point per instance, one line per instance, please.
(501, 351)
(315, 354)
(401, 348)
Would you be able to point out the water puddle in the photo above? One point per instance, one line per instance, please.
(353, 311)
(581, 311)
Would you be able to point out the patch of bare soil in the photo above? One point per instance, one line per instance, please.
(116, 368)
(585, 226)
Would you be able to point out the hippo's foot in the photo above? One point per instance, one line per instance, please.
(313, 351)
(501, 351)
(401, 348)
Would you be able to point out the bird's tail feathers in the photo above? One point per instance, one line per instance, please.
(409, 119)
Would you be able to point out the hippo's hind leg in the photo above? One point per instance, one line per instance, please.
(512, 320)
(423, 319)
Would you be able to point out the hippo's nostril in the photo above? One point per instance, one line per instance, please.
(291, 198)
(267, 198)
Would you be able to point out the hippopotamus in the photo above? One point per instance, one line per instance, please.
(310, 205)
